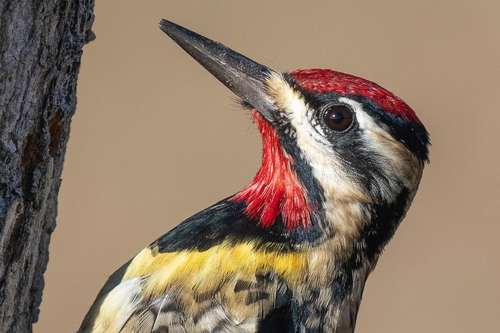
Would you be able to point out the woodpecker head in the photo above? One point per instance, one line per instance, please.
(342, 157)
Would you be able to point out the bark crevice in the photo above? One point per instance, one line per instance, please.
(40, 54)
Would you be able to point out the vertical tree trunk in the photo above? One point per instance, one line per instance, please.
(40, 50)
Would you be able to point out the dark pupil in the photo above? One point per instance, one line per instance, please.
(338, 118)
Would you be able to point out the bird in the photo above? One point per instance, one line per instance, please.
(341, 163)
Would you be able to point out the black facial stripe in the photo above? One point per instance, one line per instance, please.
(362, 165)
(412, 135)
(288, 141)
(314, 190)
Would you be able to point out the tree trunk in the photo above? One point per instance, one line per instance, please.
(40, 50)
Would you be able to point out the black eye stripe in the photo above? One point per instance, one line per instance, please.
(414, 136)
(338, 117)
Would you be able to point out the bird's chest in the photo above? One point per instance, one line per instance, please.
(326, 302)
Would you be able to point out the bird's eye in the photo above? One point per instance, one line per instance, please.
(338, 118)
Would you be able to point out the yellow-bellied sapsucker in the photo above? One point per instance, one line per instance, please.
(342, 161)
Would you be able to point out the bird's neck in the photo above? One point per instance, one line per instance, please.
(276, 189)
(343, 318)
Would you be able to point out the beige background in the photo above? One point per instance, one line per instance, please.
(156, 139)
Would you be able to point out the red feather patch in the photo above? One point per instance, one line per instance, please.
(325, 80)
(276, 188)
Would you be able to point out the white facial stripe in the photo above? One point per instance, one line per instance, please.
(344, 197)
(346, 200)
(325, 164)
(293, 106)
(400, 165)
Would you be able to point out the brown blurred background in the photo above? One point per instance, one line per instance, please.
(156, 138)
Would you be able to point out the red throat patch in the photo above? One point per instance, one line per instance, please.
(276, 188)
(325, 80)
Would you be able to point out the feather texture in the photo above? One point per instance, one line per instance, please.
(291, 252)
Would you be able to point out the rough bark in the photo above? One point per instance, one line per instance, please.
(40, 51)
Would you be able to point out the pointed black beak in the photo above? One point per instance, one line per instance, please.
(243, 76)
